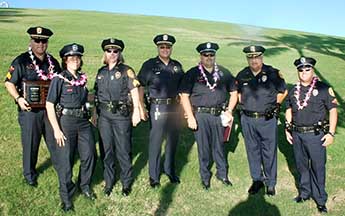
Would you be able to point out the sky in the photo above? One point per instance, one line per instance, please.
(316, 16)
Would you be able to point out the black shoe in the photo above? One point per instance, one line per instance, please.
(271, 191)
(154, 184)
(225, 181)
(300, 199)
(67, 207)
(107, 191)
(126, 191)
(89, 195)
(206, 185)
(255, 187)
(32, 183)
(174, 179)
(322, 208)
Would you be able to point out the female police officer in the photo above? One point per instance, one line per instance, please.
(117, 100)
(72, 129)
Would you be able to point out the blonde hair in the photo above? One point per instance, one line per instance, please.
(120, 58)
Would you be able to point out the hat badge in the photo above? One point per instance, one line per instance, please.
(252, 48)
(208, 45)
(39, 30)
(112, 40)
(74, 47)
(303, 60)
(165, 37)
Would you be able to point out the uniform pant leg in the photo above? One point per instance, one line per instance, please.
(173, 132)
(317, 167)
(106, 130)
(268, 134)
(122, 132)
(302, 164)
(31, 124)
(49, 138)
(87, 153)
(218, 152)
(202, 137)
(253, 147)
(157, 133)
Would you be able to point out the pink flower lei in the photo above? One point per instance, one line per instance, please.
(79, 82)
(40, 73)
(215, 76)
(297, 93)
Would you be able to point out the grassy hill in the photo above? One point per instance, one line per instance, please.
(188, 198)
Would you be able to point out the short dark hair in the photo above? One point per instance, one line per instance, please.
(64, 65)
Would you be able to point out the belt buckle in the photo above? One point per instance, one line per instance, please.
(213, 111)
(256, 115)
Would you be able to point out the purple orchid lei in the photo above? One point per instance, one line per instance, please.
(215, 76)
(297, 94)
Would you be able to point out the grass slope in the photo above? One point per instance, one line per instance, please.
(89, 28)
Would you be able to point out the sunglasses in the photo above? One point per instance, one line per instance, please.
(165, 47)
(307, 69)
(41, 40)
(112, 51)
(208, 54)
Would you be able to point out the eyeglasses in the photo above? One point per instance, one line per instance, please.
(307, 69)
(112, 51)
(208, 54)
(165, 47)
(41, 40)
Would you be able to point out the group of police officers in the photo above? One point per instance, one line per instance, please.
(207, 95)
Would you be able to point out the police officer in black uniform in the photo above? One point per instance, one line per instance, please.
(161, 76)
(67, 99)
(204, 92)
(308, 104)
(33, 65)
(117, 101)
(261, 90)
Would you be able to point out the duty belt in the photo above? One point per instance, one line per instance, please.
(165, 101)
(114, 106)
(254, 114)
(303, 129)
(211, 110)
(79, 113)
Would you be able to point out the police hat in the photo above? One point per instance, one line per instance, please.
(207, 47)
(39, 32)
(253, 51)
(112, 43)
(72, 50)
(164, 39)
(304, 61)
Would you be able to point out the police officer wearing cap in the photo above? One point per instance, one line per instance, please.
(161, 77)
(118, 103)
(311, 118)
(204, 91)
(68, 115)
(261, 90)
(34, 65)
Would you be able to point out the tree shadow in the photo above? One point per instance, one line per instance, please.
(255, 205)
(7, 15)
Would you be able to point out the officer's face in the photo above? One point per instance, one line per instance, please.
(305, 74)
(164, 50)
(112, 55)
(73, 63)
(39, 46)
(208, 59)
(255, 63)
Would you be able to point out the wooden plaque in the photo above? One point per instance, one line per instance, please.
(35, 92)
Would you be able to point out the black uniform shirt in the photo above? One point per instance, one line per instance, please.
(22, 68)
(114, 84)
(162, 80)
(201, 95)
(73, 97)
(259, 93)
(321, 101)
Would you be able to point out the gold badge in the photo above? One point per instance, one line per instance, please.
(39, 30)
(331, 92)
(117, 75)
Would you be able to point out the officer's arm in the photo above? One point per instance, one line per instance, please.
(233, 100)
(333, 118)
(281, 97)
(12, 90)
(288, 120)
(187, 106)
(142, 109)
(136, 109)
(59, 136)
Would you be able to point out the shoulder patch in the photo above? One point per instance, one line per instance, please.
(331, 92)
(8, 75)
(11, 69)
(280, 74)
(130, 73)
(136, 83)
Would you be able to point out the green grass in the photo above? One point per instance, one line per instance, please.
(188, 198)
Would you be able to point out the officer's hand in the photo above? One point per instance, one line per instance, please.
(60, 138)
(143, 113)
(136, 116)
(192, 123)
(230, 117)
(328, 140)
(289, 137)
(23, 104)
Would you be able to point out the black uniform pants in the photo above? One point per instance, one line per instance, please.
(209, 138)
(260, 136)
(79, 136)
(116, 139)
(310, 157)
(33, 125)
(164, 123)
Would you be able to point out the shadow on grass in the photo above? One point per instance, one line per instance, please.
(7, 15)
(255, 205)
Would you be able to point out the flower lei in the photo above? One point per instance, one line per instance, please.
(215, 76)
(50, 75)
(297, 94)
(79, 82)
